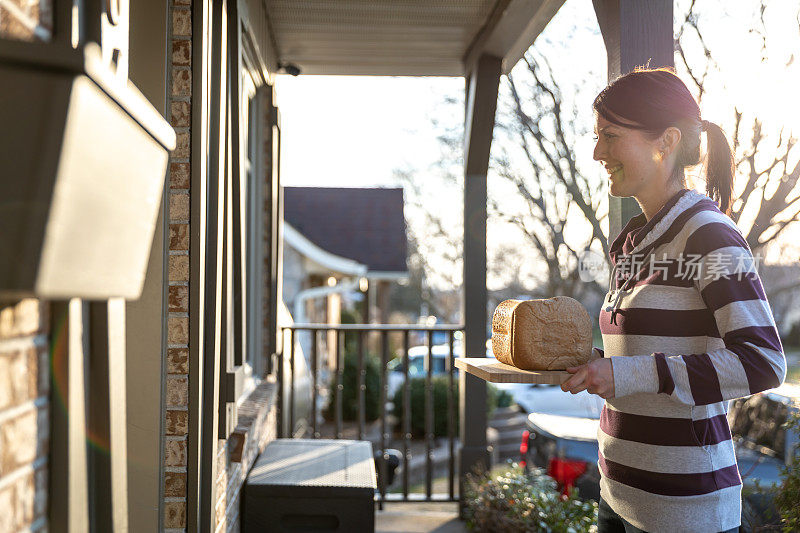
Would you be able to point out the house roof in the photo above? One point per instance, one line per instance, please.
(366, 225)
(411, 38)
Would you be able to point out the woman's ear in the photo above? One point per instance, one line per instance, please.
(670, 139)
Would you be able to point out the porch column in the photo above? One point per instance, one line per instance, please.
(634, 33)
(481, 102)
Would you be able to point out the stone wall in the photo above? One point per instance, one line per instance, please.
(24, 420)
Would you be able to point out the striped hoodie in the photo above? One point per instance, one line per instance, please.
(687, 327)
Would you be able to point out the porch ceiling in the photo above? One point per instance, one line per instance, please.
(403, 37)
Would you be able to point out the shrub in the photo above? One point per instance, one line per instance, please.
(440, 415)
(504, 398)
(372, 380)
(789, 490)
(511, 500)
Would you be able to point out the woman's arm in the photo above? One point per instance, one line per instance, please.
(752, 359)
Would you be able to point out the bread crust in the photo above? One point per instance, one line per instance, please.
(547, 334)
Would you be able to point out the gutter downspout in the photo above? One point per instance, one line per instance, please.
(317, 292)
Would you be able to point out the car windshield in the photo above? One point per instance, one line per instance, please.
(416, 365)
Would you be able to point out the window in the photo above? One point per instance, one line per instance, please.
(252, 191)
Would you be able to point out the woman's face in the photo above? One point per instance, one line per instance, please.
(632, 160)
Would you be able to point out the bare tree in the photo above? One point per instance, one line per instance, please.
(537, 160)
(551, 185)
(763, 166)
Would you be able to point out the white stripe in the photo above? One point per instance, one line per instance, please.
(666, 459)
(622, 344)
(715, 511)
(680, 376)
(742, 314)
(730, 373)
(734, 261)
(647, 404)
(662, 297)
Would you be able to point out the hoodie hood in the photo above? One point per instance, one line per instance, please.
(639, 234)
(640, 237)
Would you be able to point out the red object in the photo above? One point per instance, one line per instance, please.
(523, 448)
(565, 472)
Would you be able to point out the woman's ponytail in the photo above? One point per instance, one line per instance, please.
(719, 171)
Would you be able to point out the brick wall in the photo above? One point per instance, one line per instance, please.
(24, 422)
(256, 422)
(177, 394)
(27, 20)
(236, 455)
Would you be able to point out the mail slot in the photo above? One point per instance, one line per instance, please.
(82, 168)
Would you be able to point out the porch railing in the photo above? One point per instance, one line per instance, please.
(287, 391)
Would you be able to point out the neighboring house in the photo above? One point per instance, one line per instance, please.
(345, 233)
(339, 243)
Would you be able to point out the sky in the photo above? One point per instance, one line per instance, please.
(341, 131)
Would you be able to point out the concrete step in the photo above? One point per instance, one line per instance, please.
(505, 412)
(510, 438)
(508, 449)
(419, 518)
(518, 421)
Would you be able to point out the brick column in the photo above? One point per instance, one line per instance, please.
(176, 425)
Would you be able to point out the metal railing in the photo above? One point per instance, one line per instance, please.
(384, 330)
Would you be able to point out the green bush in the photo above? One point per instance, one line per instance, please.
(789, 490)
(504, 398)
(439, 384)
(513, 500)
(372, 381)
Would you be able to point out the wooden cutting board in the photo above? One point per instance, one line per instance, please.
(493, 371)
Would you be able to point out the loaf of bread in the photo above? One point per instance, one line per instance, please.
(550, 334)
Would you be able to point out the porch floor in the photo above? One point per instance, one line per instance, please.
(418, 517)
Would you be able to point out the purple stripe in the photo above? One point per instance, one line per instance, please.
(764, 336)
(671, 484)
(721, 292)
(760, 374)
(703, 379)
(664, 322)
(713, 236)
(664, 431)
(665, 382)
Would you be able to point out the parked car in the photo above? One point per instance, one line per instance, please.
(440, 352)
(561, 436)
(416, 364)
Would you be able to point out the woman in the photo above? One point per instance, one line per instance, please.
(687, 326)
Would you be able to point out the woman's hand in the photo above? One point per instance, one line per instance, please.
(596, 377)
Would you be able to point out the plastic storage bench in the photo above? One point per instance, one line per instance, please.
(311, 484)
